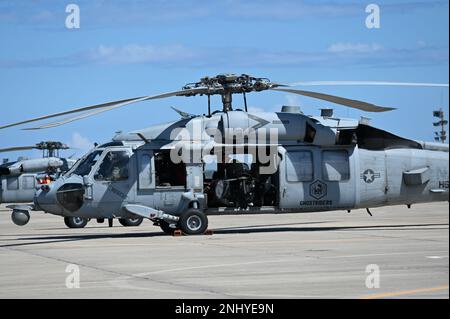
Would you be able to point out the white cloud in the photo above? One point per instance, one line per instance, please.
(42, 16)
(131, 13)
(80, 143)
(172, 56)
(421, 44)
(289, 9)
(135, 53)
(348, 47)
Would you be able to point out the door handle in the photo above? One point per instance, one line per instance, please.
(89, 192)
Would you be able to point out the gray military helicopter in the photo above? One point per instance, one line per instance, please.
(19, 179)
(232, 161)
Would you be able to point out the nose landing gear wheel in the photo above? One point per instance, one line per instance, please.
(75, 222)
(127, 222)
(193, 222)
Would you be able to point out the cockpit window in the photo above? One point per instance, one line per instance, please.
(114, 167)
(84, 167)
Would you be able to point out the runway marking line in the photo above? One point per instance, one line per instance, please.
(405, 292)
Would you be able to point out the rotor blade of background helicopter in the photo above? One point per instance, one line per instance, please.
(108, 106)
(374, 83)
(18, 148)
(360, 105)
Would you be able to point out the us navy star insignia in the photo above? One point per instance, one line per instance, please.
(369, 176)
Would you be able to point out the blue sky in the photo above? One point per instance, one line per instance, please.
(134, 47)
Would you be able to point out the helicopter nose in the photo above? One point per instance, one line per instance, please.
(70, 196)
(57, 198)
(45, 199)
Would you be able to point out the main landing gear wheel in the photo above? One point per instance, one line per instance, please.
(75, 222)
(127, 222)
(193, 222)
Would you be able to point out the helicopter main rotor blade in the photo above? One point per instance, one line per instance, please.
(70, 119)
(18, 148)
(104, 106)
(360, 105)
(373, 83)
(121, 102)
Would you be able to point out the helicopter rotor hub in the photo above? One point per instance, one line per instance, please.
(226, 85)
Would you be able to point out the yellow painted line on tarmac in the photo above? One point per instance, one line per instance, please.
(405, 292)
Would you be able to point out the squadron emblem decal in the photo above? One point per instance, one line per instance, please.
(369, 176)
(318, 189)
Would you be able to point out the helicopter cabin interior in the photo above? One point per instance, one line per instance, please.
(234, 181)
(237, 180)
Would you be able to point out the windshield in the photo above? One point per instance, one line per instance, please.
(114, 167)
(85, 165)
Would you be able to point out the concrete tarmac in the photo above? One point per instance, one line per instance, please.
(315, 255)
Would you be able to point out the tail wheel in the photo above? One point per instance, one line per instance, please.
(128, 222)
(193, 222)
(75, 222)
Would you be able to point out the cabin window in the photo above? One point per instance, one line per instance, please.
(310, 133)
(299, 166)
(28, 182)
(114, 167)
(145, 171)
(167, 172)
(12, 183)
(335, 165)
